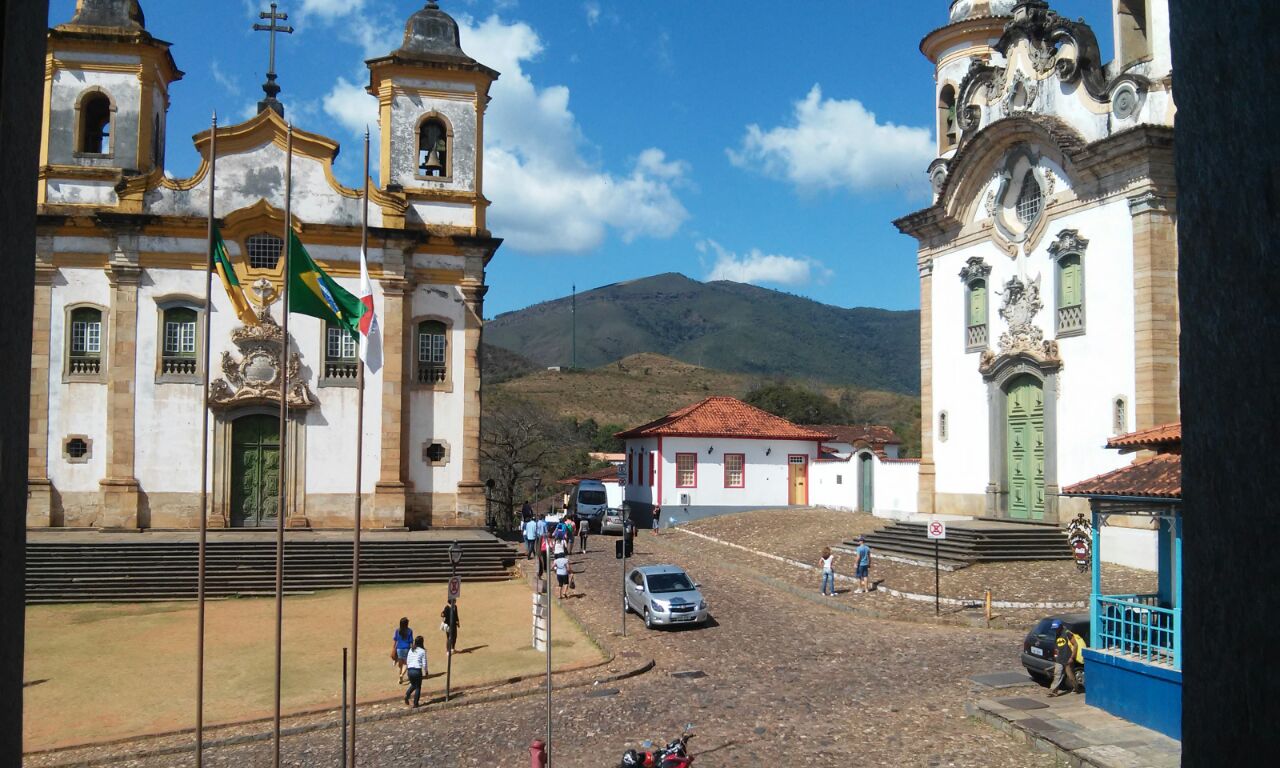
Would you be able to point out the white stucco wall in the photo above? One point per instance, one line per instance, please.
(436, 415)
(77, 408)
(766, 475)
(894, 485)
(1129, 547)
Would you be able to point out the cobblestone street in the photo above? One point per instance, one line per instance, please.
(787, 679)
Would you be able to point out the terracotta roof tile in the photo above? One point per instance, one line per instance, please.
(1166, 437)
(724, 417)
(872, 434)
(1157, 477)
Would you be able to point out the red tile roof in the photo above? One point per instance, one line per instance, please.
(1157, 477)
(606, 475)
(724, 417)
(872, 434)
(1164, 438)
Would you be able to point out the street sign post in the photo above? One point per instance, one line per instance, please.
(937, 531)
(455, 587)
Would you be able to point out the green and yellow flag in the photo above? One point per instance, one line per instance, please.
(231, 283)
(312, 292)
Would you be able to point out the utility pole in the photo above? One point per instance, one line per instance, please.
(573, 314)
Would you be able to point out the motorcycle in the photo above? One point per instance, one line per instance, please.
(674, 755)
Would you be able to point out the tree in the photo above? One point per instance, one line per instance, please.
(796, 404)
(522, 448)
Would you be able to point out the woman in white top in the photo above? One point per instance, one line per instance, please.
(828, 572)
(562, 575)
(416, 666)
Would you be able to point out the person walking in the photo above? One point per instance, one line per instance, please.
(401, 642)
(416, 663)
(863, 571)
(449, 623)
(1068, 657)
(584, 529)
(562, 575)
(657, 513)
(530, 535)
(828, 571)
(526, 512)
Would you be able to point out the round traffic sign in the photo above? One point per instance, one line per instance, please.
(937, 529)
(455, 587)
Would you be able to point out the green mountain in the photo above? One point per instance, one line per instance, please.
(722, 325)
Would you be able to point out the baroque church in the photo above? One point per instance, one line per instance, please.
(1048, 258)
(120, 261)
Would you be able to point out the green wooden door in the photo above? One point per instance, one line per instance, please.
(1025, 449)
(866, 491)
(255, 471)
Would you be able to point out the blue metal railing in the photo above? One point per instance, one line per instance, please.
(1137, 626)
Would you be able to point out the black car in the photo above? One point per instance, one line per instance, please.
(1040, 646)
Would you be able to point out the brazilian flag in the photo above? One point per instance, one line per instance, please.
(312, 292)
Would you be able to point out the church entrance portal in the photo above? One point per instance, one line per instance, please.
(1025, 447)
(255, 471)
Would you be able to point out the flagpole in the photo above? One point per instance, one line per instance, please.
(204, 447)
(355, 535)
(284, 462)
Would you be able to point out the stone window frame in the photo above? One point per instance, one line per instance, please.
(88, 454)
(1068, 244)
(1019, 162)
(104, 354)
(78, 140)
(326, 379)
(444, 460)
(976, 271)
(445, 385)
(945, 141)
(163, 305)
(1120, 415)
(447, 176)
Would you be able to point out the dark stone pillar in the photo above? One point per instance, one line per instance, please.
(1228, 166)
(21, 89)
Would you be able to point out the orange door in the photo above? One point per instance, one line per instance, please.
(798, 475)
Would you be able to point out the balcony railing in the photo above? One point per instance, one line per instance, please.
(1070, 318)
(85, 366)
(431, 374)
(340, 370)
(1137, 627)
(178, 365)
(976, 336)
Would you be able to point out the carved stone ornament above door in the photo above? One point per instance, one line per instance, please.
(254, 379)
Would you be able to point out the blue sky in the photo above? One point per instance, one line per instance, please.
(759, 141)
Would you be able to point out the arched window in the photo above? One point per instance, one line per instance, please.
(1030, 200)
(433, 148)
(1131, 24)
(264, 251)
(974, 275)
(1120, 415)
(95, 124)
(432, 345)
(178, 351)
(84, 348)
(947, 127)
(1070, 294)
(943, 427)
(339, 354)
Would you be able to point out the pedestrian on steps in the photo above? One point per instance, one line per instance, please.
(401, 642)
(417, 667)
(828, 572)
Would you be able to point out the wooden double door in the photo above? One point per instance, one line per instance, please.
(1025, 447)
(255, 471)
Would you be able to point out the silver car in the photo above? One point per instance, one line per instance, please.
(664, 595)
(611, 521)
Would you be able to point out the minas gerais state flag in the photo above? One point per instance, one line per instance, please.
(312, 292)
(231, 283)
(370, 331)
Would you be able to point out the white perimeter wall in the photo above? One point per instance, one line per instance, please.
(1132, 547)
(895, 485)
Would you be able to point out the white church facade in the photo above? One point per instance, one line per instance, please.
(1047, 260)
(121, 255)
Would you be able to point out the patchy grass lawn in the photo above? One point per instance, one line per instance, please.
(801, 533)
(99, 671)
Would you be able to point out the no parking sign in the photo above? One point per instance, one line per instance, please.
(937, 529)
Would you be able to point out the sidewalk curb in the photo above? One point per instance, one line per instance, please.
(1035, 742)
(950, 601)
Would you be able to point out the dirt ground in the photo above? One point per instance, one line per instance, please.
(103, 671)
(801, 534)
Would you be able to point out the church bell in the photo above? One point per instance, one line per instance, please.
(433, 166)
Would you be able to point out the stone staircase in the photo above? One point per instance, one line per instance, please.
(973, 541)
(76, 572)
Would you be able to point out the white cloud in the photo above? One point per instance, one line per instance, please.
(833, 144)
(593, 12)
(352, 106)
(331, 9)
(757, 267)
(221, 78)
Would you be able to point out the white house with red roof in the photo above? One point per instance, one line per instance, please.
(715, 456)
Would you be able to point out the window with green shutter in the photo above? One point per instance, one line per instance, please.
(1070, 294)
(85, 349)
(976, 315)
(178, 345)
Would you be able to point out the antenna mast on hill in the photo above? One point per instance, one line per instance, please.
(573, 314)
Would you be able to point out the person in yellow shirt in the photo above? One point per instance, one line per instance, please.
(1068, 659)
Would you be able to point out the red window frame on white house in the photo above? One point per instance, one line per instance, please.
(681, 472)
(653, 468)
(742, 470)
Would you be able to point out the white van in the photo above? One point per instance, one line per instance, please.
(590, 500)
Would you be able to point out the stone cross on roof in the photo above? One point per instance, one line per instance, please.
(270, 87)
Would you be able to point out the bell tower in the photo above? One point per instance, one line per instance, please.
(431, 104)
(106, 98)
